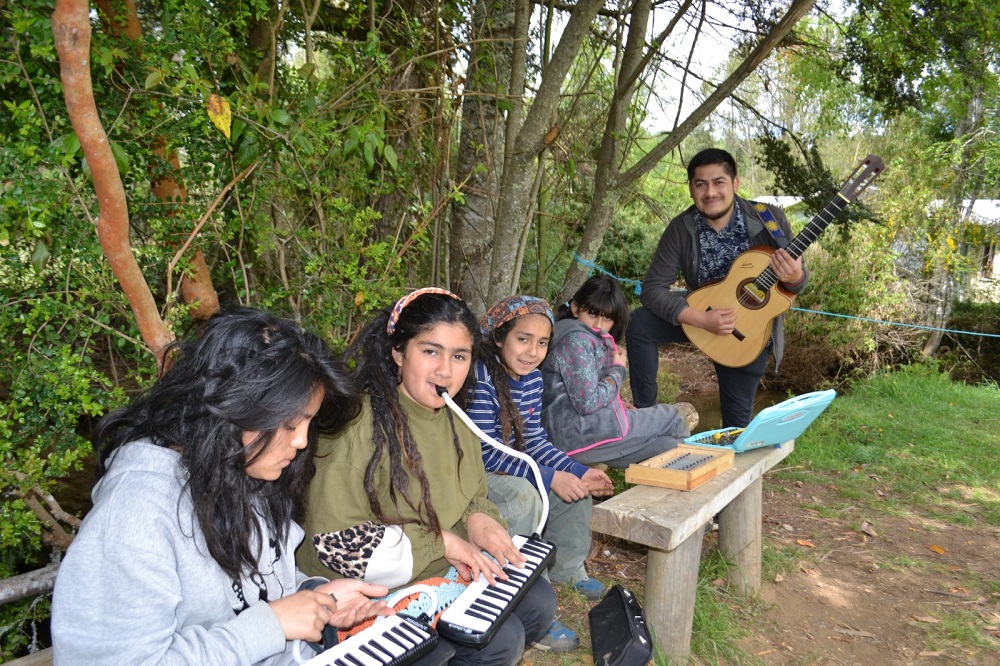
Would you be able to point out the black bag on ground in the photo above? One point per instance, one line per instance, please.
(618, 630)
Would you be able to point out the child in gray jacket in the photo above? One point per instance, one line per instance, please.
(584, 413)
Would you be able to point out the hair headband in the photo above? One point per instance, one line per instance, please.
(397, 309)
(513, 307)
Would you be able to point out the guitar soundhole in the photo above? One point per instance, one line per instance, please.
(751, 296)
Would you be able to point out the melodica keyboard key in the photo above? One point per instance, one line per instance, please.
(477, 613)
(395, 640)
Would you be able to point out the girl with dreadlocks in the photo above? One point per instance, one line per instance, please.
(400, 495)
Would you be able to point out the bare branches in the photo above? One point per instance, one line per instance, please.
(50, 515)
(796, 11)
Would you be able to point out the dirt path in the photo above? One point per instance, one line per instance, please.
(874, 589)
(852, 599)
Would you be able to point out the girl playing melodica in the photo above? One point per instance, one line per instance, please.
(186, 556)
(506, 404)
(400, 495)
(584, 413)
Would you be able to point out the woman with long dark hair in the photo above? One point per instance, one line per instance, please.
(188, 553)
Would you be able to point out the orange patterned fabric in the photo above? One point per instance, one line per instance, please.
(447, 593)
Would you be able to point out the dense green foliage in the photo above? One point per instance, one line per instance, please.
(295, 236)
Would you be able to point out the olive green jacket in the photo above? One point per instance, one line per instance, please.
(343, 535)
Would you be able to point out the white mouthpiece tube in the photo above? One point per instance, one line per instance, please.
(506, 449)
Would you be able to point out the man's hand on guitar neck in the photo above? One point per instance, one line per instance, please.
(720, 322)
(788, 270)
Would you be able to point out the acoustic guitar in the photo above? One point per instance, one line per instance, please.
(752, 288)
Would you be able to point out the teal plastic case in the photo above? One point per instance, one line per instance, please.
(772, 426)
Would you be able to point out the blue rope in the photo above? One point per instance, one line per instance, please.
(896, 323)
(638, 290)
(594, 267)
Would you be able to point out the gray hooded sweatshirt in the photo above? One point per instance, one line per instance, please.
(138, 585)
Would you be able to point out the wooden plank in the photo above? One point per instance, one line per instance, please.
(740, 539)
(40, 658)
(662, 518)
(671, 586)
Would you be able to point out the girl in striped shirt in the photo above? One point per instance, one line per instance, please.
(506, 403)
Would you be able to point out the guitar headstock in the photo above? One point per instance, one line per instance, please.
(862, 177)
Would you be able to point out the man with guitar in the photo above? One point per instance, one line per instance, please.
(702, 244)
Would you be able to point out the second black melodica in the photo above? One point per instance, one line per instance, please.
(476, 614)
(395, 640)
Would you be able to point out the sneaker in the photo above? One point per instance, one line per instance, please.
(689, 412)
(712, 525)
(591, 588)
(559, 638)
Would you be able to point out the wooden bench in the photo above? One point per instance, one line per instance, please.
(671, 524)
(40, 658)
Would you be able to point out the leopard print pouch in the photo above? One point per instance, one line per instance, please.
(349, 551)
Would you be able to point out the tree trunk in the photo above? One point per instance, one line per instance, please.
(606, 192)
(71, 32)
(480, 149)
(941, 289)
(516, 203)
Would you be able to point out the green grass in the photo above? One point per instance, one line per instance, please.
(904, 562)
(927, 444)
(915, 444)
(721, 618)
(958, 627)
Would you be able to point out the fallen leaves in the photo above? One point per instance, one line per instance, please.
(868, 529)
(805, 543)
(935, 548)
(929, 619)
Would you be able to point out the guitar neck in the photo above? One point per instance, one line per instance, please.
(806, 237)
(816, 226)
